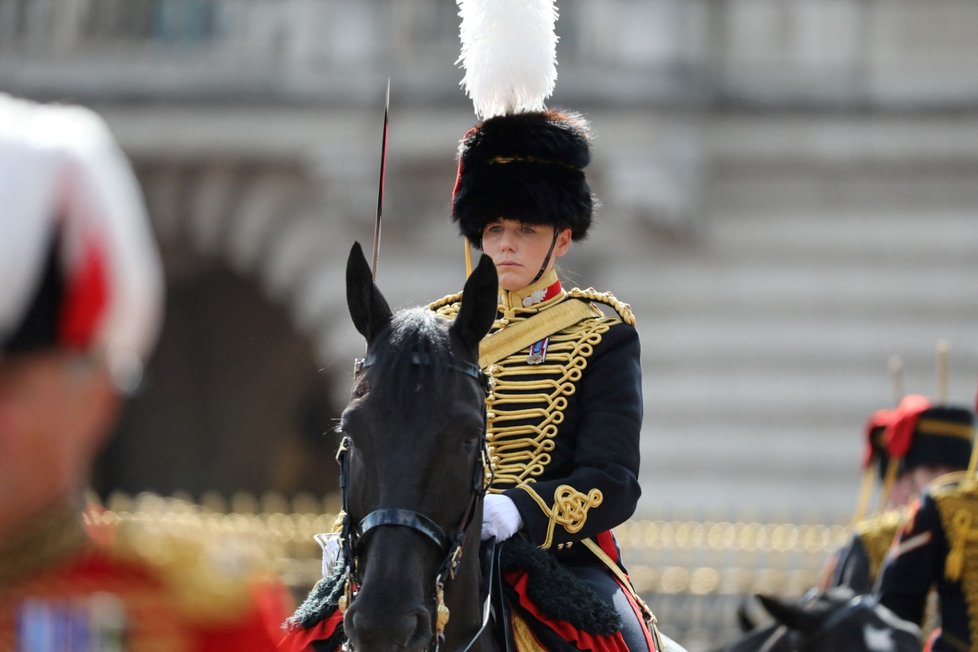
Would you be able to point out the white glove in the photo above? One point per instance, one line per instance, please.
(500, 518)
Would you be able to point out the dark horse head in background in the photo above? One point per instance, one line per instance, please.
(413, 467)
(835, 620)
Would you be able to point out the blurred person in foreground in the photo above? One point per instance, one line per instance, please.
(907, 448)
(80, 310)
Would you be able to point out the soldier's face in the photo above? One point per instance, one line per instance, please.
(55, 409)
(519, 250)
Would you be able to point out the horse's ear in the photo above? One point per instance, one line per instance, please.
(790, 614)
(478, 310)
(368, 308)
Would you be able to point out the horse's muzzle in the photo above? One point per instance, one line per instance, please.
(373, 630)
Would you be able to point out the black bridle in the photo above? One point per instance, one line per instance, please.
(448, 543)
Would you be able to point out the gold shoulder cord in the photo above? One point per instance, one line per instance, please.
(958, 508)
(447, 306)
(623, 309)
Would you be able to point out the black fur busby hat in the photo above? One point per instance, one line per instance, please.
(942, 437)
(924, 434)
(527, 167)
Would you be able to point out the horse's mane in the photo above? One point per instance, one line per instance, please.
(413, 332)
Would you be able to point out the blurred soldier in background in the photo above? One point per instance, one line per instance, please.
(909, 446)
(937, 548)
(79, 313)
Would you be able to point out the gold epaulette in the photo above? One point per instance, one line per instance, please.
(207, 571)
(877, 535)
(447, 305)
(947, 482)
(623, 309)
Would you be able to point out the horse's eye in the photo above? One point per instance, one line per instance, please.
(472, 441)
(361, 389)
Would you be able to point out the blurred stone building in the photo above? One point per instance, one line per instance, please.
(789, 196)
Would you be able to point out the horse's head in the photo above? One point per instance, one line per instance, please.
(840, 620)
(412, 460)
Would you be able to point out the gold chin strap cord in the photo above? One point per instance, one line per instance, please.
(891, 472)
(468, 258)
(865, 491)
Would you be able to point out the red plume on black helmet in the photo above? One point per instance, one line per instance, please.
(522, 161)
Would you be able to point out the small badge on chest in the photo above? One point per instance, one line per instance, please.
(538, 352)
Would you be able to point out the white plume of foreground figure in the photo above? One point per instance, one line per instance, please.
(62, 174)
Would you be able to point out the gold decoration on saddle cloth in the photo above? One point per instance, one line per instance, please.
(958, 507)
(877, 534)
(523, 636)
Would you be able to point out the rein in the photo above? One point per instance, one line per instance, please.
(450, 544)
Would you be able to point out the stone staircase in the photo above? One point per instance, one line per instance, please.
(767, 335)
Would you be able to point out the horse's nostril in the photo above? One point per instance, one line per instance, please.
(384, 630)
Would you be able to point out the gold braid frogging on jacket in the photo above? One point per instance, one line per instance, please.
(526, 404)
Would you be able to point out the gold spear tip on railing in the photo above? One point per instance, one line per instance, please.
(896, 375)
(943, 349)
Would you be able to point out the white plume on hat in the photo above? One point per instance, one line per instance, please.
(60, 168)
(509, 53)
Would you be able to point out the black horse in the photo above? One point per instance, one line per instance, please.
(837, 619)
(412, 475)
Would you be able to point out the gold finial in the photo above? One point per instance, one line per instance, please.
(896, 373)
(942, 370)
(889, 479)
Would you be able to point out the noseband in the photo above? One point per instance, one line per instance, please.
(449, 544)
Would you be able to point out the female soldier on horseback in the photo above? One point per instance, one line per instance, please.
(565, 409)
